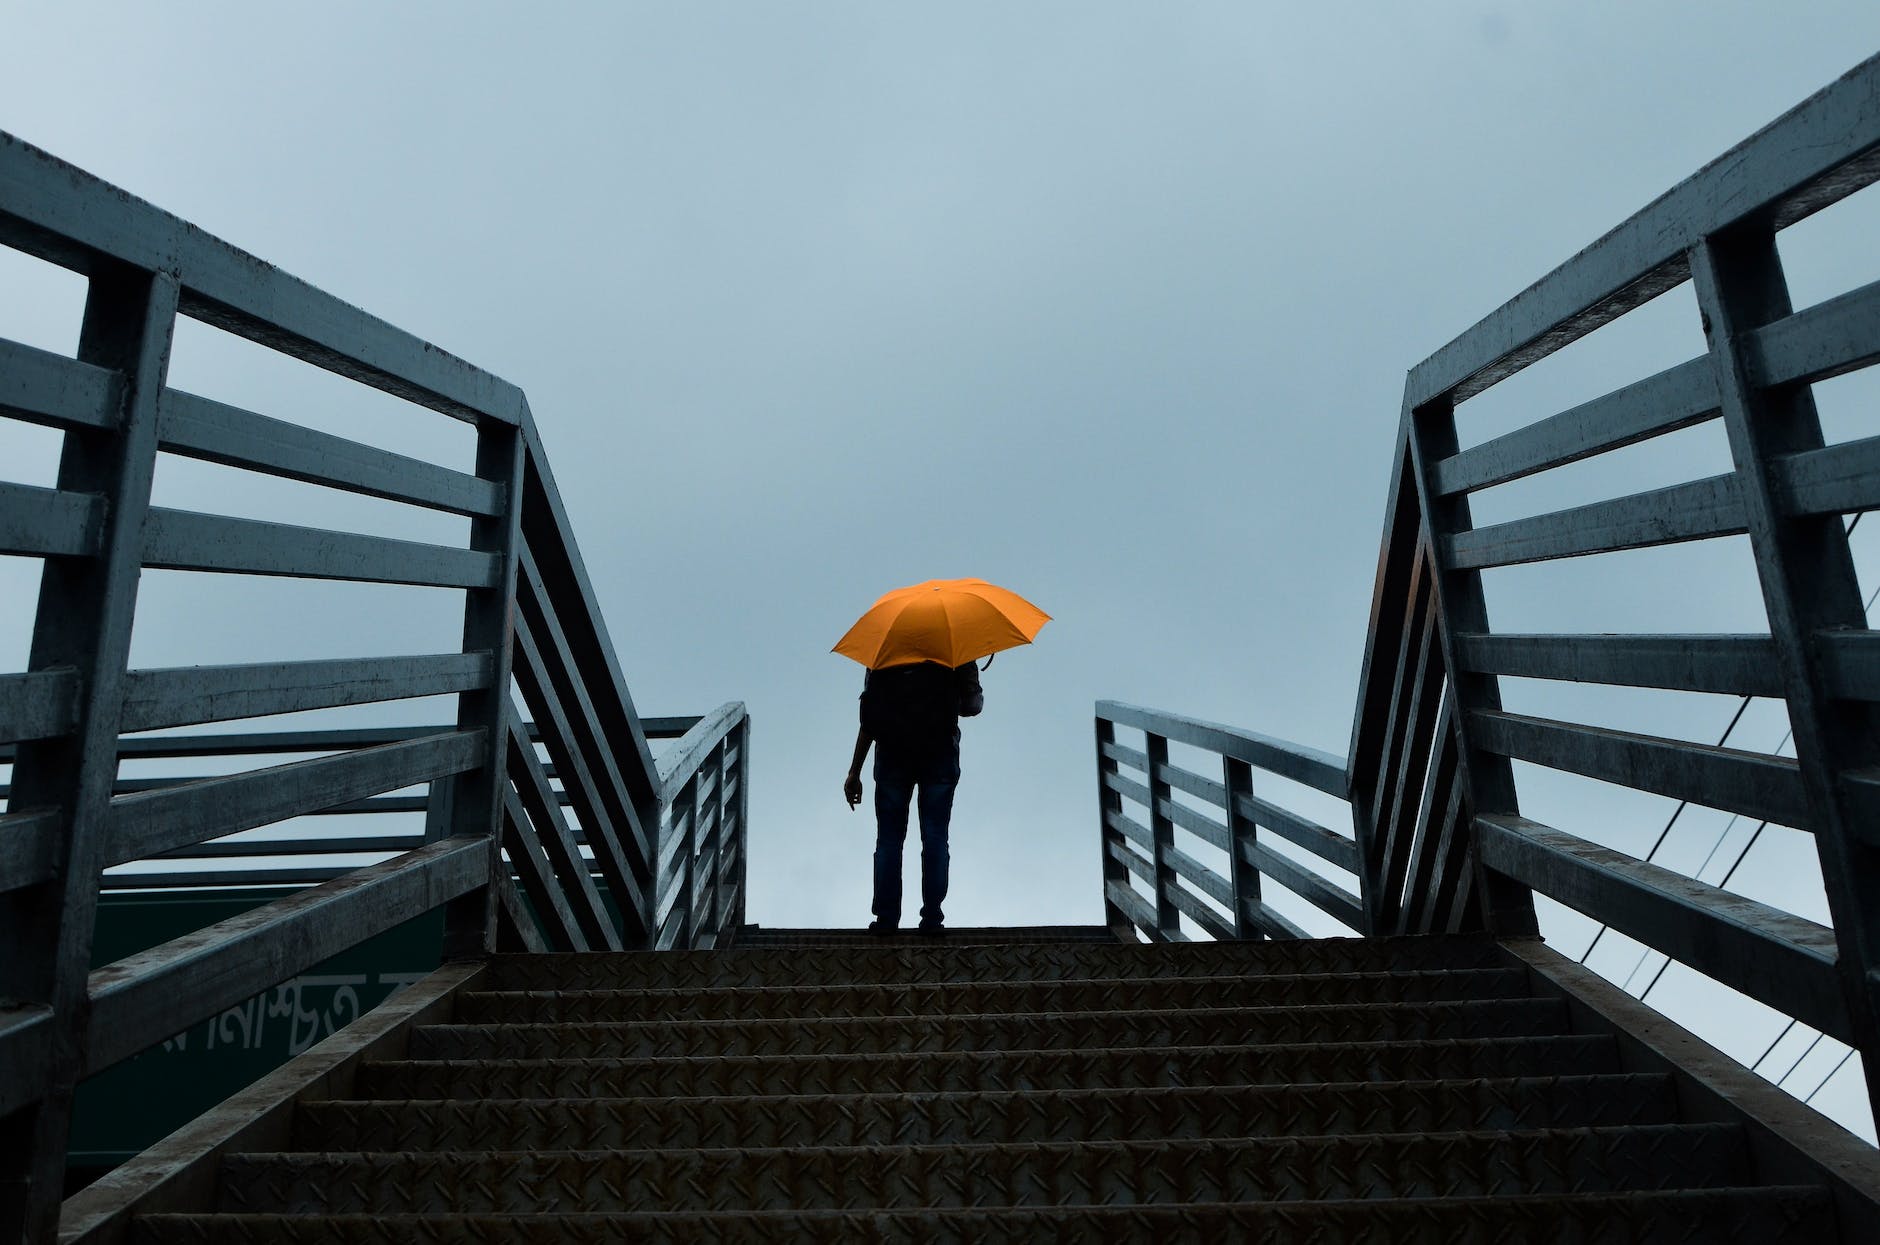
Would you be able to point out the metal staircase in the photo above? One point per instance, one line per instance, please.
(1000, 1088)
(609, 1051)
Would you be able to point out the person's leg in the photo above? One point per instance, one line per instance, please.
(940, 778)
(894, 790)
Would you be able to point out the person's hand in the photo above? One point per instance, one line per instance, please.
(852, 789)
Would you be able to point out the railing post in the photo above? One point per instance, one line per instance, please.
(1162, 832)
(688, 877)
(1238, 777)
(476, 799)
(1809, 586)
(740, 870)
(1109, 801)
(1487, 779)
(86, 607)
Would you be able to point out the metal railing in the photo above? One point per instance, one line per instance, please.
(1441, 842)
(662, 839)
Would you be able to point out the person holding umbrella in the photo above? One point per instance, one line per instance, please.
(920, 646)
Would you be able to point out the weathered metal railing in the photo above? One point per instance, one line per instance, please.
(662, 839)
(1179, 884)
(1438, 823)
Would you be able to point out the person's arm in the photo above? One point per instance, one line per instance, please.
(852, 787)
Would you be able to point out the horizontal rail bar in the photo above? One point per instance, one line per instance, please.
(1137, 910)
(1190, 906)
(1274, 924)
(360, 844)
(215, 432)
(1135, 862)
(1770, 955)
(184, 696)
(38, 705)
(1135, 758)
(28, 846)
(1206, 880)
(69, 217)
(25, 1054)
(1851, 663)
(1818, 342)
(1311, 766)
(182, 540)
(1753, 783)
(47, 523)
(1838, 479)
(153, 822)
(1199, 824)
(1328, 845)
(1129, 788)
(224, 879)
(1675, 398)
(48, 388)
(1135, 832)
(1736, 665)
(1327, 896)
(164, 990)
(681, 761)
(1697, 510)
(1811, 156)
(1197, 785)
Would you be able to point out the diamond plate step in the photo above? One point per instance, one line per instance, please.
(1778, 1215)
(1083, 1068)
(934, 1119)
(1015, 1031)
(983, 935)
(958, 998)
(945, 961)
(1038, 1174)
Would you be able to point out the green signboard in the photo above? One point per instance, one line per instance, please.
(126, 1108)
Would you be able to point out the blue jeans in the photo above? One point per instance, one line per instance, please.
(897, 774)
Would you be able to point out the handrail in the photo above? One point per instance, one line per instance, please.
(1236, 823)
(1440, 840)
(596, 845)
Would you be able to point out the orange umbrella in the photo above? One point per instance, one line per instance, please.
(951, 621)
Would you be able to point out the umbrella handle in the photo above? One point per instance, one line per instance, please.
(988, 665)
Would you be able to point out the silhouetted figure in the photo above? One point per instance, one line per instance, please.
(911, 714)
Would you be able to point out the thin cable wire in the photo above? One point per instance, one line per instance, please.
(1824, 1080)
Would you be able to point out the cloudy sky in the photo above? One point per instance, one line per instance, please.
(1109, 303)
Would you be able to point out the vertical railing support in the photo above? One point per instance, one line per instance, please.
(1487, 779)
(1108, 802)
(476, 801)
(1238, 778)
(1809, 586)
(1162, 833)
(84, 621)
(740, 868)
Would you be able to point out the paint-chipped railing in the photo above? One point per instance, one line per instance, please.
(662, 840)
(1150, 832)
(1441, 837)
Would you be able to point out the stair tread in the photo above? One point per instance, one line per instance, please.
(1767, 1213)
(855, 997)
(1391, 1165)
(882, 1118)
(1205, 1064)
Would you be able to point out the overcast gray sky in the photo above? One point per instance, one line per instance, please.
(1108, 303)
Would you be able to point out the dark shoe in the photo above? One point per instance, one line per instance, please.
(934, 930)
(880, 930)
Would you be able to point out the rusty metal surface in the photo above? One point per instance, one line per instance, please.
(1006, 1116)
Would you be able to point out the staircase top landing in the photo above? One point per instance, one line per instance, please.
(969, 936)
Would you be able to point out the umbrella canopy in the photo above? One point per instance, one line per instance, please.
(951, 621)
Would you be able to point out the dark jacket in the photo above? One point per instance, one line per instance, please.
(917, 708)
